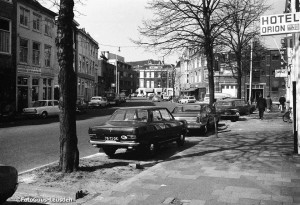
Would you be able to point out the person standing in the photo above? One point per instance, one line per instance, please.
(261, 105)
(269, 103)
(282, 102)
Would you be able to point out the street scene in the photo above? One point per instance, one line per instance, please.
(149, 102)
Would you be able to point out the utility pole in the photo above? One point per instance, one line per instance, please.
(250, 79)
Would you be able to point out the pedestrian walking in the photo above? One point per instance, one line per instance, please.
(282, 102)
(261, 105)
(269, 103)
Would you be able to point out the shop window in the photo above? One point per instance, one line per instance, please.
(35, 93)
(24, 16)
(35, 53)
(35, 81)
(23, 50)
(5, 35)
(22, 80)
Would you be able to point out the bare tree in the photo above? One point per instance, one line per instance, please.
(69, 154)
(180, 24)
(242, 27)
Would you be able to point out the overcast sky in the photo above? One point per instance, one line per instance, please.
(113, 22)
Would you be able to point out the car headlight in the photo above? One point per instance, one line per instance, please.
(237, 114)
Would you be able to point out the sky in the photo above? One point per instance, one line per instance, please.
(112, 23)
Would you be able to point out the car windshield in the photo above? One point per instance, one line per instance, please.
(193, 108)
(39, 103)
(191, 97)
(96, 99)
(130, 115)
(223, 103)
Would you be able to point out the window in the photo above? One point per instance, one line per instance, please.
(23, 50)
(5, 36)
(48, 27)
(36, 22)
(35, 53)
(24, 16)
(47, 56)
(165, 115)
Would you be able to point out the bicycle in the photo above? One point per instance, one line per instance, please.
(287, 117)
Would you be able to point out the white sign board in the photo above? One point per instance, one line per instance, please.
(279, 24)
(283, 73)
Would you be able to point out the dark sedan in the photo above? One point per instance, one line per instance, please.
(198, 116)
(228, 111)
(141, 128)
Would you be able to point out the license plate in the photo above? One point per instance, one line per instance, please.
(111, 138)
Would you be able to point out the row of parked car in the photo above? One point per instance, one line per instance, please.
(46, 108)
(147, 128)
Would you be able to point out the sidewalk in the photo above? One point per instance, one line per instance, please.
(251, 162)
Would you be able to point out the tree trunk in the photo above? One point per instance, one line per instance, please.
(69, 154)
(239, 75)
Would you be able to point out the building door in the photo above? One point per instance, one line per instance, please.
(255, 94)
(22, 98)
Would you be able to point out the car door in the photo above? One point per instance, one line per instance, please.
(159, 124)
(172, 126)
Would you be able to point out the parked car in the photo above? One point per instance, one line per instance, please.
(8, 181)
(243, 107)
(42, 108)
(81, 106)
(198, 116)
(156, 98)
(122, 97)
(226, 111)
(98, 101)
(142, 128)
(112, 98)
(140, 95)
(218, 96)
(166, 97)
(187, 99)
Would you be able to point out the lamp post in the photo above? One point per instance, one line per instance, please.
(250, 79)
(117, 76)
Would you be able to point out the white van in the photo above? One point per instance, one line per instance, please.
(218, 96)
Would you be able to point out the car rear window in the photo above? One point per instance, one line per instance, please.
(130, 115)
(193, 108)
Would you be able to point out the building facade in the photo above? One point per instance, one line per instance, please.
(154, 77)
(87, 57)
(192, 74)
(264, 79)
(36, 59)
(7, 54)
(124, 75)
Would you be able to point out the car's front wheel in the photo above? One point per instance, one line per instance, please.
(44, 115)
(109, 151)
(181, 141)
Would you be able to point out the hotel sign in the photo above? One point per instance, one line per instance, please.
(279, 24)
(281, 73)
